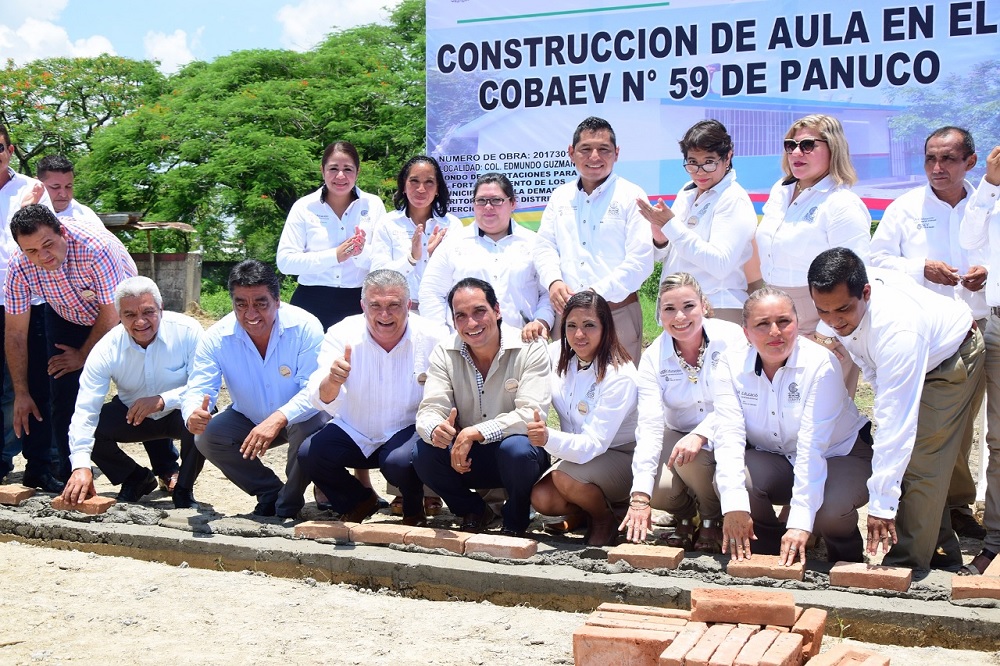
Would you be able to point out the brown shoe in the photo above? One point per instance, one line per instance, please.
(363, 509)
(419, 520)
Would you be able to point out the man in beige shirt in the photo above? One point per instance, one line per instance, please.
(482, 390)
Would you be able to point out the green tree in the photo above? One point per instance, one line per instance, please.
(56, 105)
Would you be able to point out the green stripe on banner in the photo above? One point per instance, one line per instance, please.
(565, 13)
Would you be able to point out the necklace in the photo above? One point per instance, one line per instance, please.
(692, 370)
(581, 366)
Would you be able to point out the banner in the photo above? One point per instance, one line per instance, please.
(508, 82)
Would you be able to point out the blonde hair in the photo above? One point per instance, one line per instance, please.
(678, 280)
(761, 294)
(831, 131)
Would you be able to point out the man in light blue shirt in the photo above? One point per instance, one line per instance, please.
(265, 350)
(149, 357)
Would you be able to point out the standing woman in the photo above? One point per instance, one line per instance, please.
(324, 241)
(811, 210)
(594, 393)
(786, 432)
(709, 230)
(498, 250)
(409, 235)
(673, 465)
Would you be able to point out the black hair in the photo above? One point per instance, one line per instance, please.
(594, 124)
(441, 198)
(27, 221)
(967, 142)
(53, 164)
(474, 283)
(253, 273)
(837, 266)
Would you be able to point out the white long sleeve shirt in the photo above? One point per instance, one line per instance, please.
(595, 241)
(792, 233)
(905, 332)
(81, 213)
(392, 245)
(162, 369)
(10, 202)
(803, 414)
(710, 238)
(384, 388)
(669, 399)
(312, 232)
(919, 226)
(593, 416)
(506, 264)
(980, 230)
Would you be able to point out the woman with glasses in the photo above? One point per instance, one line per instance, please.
(325, 239)
(411, 234)
(498, 250)
(812, 209)
(709, 230)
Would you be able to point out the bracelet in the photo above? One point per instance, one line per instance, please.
(638, 503)
(409, 257)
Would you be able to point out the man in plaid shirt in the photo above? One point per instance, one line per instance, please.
(75, 269)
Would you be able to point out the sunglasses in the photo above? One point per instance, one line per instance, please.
(805, 145)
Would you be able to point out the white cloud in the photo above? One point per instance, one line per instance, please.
(36, 39)
(306, 24)
(16, 13)
(173, 50)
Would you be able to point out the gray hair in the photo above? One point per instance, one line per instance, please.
(385, 278)
(137, 286)
(761, 294)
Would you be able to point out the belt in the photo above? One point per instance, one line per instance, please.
(629, 300)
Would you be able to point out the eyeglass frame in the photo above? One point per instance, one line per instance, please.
(483, 202)
(798, 144)
(701, 167)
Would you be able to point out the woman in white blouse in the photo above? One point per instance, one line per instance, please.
(672, 468)
(594, 394)
(325, 239)
(708, 232)
(409, 235)
(494, 248)
(786, 432)
(811, 209)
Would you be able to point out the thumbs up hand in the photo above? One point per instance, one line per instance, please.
(341, 367)
(444, 433)
(538, 432)
(200, 417)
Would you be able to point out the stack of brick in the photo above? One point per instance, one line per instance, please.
(986, 586)
(725, 627)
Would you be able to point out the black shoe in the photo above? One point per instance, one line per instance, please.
(947, 561)
(184, 499)
(519, 534)
(966, 525)
(134, 491)
(477, 522)
(363, 509)
(44, 482)
(265, 509)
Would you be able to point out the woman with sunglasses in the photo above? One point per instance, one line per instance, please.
(708, 232)
(498, 250)
(811, 210)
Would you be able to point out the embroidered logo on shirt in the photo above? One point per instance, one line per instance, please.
(749, 399)
(592, 391)
(614, 209)
(926, 223)
(811, 215)
(716, 355)
(793, 392)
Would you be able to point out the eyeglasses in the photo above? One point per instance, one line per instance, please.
(805, 145)
(708, 167)
(3, 147)
(492, 201)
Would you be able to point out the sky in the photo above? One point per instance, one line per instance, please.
(174, 32)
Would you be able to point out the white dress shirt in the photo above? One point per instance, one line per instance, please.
(980, 230)
(10, 202)
(392, 245)
(919, 226)
(792, 233)
(593, 416)
(710, 238)
(258, 386)
(506, 264)
(595, 241)
(312, 233)
(81, 213)
(162, 369)
(669, 399)
(384, 388)
(804, 414)
(905, 333)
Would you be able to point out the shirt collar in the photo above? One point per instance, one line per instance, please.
(600, 188)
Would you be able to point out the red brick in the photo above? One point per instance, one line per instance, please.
(754, 650)
(498, 545)
(94, 505)
(642, 556)
(600, 646)
(786, 650)
(994, 568)
(845, 653)
(14, 493)
(379, 533)
(811, 625)
(645, 610)
(779, 628)
(324, 529)
(870, 576)
(733, 644)
(707, 645)
(636, 621)
(677, 652)
(735, 606)
(760, 566)
(429, 537)
(975, 587)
